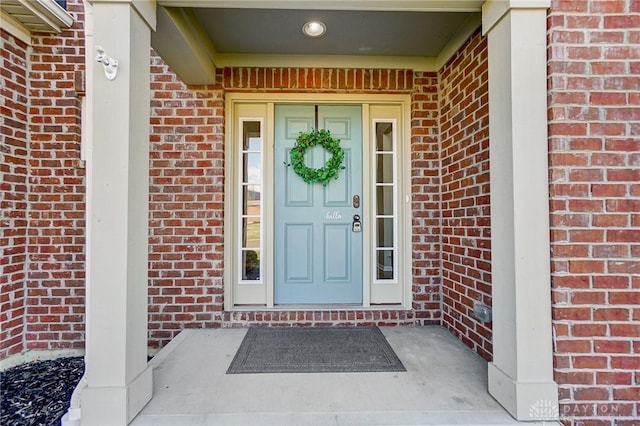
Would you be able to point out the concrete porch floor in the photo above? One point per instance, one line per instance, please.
(445, 384)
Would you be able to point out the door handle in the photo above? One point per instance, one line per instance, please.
(356, 226)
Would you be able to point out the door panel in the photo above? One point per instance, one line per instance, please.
(298, 253)
(317, 256)
(337, 245)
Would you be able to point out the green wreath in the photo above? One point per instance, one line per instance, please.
(309, 140)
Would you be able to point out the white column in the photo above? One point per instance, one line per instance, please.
(117, 377)
(521, 374)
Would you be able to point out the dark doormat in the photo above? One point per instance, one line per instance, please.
(314, 350)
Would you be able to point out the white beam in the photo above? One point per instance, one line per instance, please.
(458, 40)
(382, 5)
(184, 45)
(117, 378)
(521, 374)
(494, 10)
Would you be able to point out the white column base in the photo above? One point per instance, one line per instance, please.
(72, 417)
(525, 401)
(116, 405)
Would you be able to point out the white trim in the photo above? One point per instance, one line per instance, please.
(457, 41)
(36, 16)
(404, 170)
(15, 28)
(395, 5)
(86, 119)
(50, 11)
(269, 204)
(391, 290)
(366, 207)
(244, 291)
(146, 9)
(265, 102)
(494, 10)
(302, 98)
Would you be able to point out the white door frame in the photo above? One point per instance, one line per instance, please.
(263, 109)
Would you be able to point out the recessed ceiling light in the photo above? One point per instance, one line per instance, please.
(314, 29)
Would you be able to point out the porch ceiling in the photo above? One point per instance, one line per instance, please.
(194, 37)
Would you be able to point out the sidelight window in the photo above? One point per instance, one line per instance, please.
(385, 195)
(251, 210)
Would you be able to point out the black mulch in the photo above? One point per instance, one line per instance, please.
(38, 393)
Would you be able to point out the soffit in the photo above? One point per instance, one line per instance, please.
(201, 35)
(36, 16)
(279, 31)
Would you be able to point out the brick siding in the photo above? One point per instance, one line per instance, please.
(425, 194)
(324, 80)
(187, 196)
(594, 158)
(594, 144)
(56, 233)
(186, 243)
(466, 224)
(13, 237)
(43, 193)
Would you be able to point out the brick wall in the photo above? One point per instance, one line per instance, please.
(13, 237)
(187, 195)
(316, 80)
(425, 203)
(466, 233)
(594, 112)
(186, 205)
(55, 277)
(594, 143)
(43, 190)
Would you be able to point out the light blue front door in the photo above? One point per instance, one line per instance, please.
(318, 256)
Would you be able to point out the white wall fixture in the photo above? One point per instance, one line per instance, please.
(110, 65)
